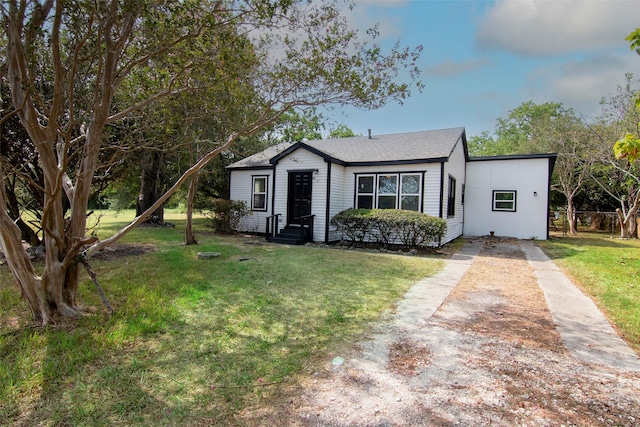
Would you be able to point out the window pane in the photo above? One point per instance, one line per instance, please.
(259, 185)
(504, 196)
(410, 184)
(386, 202)
(365, 202)
(259, 201)
(388, 184)
(451, 203)
(504, 205)
(410, 203)
(504, 200)
(365, 184)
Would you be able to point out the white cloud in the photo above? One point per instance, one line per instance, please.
(583, 83)
(366, 14)
(542, 27)
(455, 68)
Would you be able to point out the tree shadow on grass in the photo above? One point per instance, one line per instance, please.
(72, 380)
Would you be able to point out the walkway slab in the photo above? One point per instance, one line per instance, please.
(582, 327)
(426, 296)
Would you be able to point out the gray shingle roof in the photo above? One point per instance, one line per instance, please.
(432, 145)
(262, 158)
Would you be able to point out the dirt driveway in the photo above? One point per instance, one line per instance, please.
(490, 354)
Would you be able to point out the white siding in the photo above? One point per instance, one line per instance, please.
(337, 199)
(241, 183)
(303, 160)
(431, 192)
(455, 168)
(529, 177)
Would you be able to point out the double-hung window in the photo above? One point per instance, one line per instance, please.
(365, 191)
(451, 200)
(389, 191)
(410, 190)
(259, 193)
(504, 200)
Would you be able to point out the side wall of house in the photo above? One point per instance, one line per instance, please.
(454, 168)
(241, 183)
(529, 178)
(303, 160)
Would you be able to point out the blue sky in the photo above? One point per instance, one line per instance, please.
(484, 58)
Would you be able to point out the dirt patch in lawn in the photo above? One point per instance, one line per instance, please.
(122, 250)
(490, 355)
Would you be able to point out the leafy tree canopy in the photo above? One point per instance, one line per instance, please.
(77, 69)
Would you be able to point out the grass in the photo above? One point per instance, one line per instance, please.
(607, 269)
(191, 342)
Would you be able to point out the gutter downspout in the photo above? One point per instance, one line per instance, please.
(441, 189)
(328, 204)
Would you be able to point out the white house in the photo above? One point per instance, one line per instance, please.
(295, 189)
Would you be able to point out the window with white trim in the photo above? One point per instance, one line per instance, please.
(365, 191)
(504, 200)
(259, 193)
(389, 191)
(410, 186)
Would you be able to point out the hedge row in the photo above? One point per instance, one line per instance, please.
(390, 226)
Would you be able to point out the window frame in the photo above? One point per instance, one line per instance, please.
(451, 197)
(387, 195)
(402, 193)
(255, 193)
(399, 191)
(372, 194)
(514, 201)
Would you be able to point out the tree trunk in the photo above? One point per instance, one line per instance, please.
(623, 226)
(570, 217)
(28, 235)
(20, 265)
(150, 186)
(189, 237)
(597, 221)
(633, 226)
(631, 221)
(628, 220)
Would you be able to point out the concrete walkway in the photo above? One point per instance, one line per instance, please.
(426, 296)
(582, 327)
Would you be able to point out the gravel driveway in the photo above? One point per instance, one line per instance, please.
(475, 345)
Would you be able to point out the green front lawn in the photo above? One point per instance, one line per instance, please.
(607, 269)
(192, 341)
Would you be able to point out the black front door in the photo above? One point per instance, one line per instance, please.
(299, 203)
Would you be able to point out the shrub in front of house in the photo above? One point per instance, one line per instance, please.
(225, 215)
(390, 226)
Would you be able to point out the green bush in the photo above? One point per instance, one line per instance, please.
(226, 214)
(390, 226)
